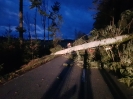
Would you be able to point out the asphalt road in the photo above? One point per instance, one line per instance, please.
(55, 81)
(45, 82)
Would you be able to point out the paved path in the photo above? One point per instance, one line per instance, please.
(55, 81)
(99, 88)
(33, 84)
(45, 82)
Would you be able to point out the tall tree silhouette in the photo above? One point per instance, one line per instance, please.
(108, 11)
(53, 15)
(27, 21)
(20, 28)
(35, 4)
(56, 21)
(43, 18)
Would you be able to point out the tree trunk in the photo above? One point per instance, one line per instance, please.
(27, 21)
(35, 23)
(44, 18)
(94, 44)
(21, 19)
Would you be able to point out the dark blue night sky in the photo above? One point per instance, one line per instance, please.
(76, 16)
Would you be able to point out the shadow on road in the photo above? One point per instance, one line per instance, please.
(86, 86)
(83, 92)
(114, 89)
(55, 88)
(89, 94)
(70, 93)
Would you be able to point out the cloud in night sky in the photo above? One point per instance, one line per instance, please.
(76, 16)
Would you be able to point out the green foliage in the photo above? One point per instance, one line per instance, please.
(13, 55)
(108, 11)
(127, 52)
(31, 50)
(35, 3)
(54, 16)
(128, 15)
(115, 66)
(122, 52)
(104, 56)
(56, 48)
(126, 21)
(56, 21)
(105, 11)
(127, 81)
(127, 71)
(77, 57)
(79, 41)
(108, 32)
(123, 68)
(56, 7)
(80, 34)
(32, 64)
(9, 55)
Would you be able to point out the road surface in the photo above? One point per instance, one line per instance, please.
(55, 81)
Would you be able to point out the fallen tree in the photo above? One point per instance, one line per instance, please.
(104, 42)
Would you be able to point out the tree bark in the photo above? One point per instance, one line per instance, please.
(21, 19)
(94, 44)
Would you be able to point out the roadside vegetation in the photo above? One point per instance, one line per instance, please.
(16, 59)
(117, 57)
(112, 20)
(18, 56)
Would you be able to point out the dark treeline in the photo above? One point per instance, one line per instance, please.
(13, 56)
(14, 52)
(109, 11)
(115, 18)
